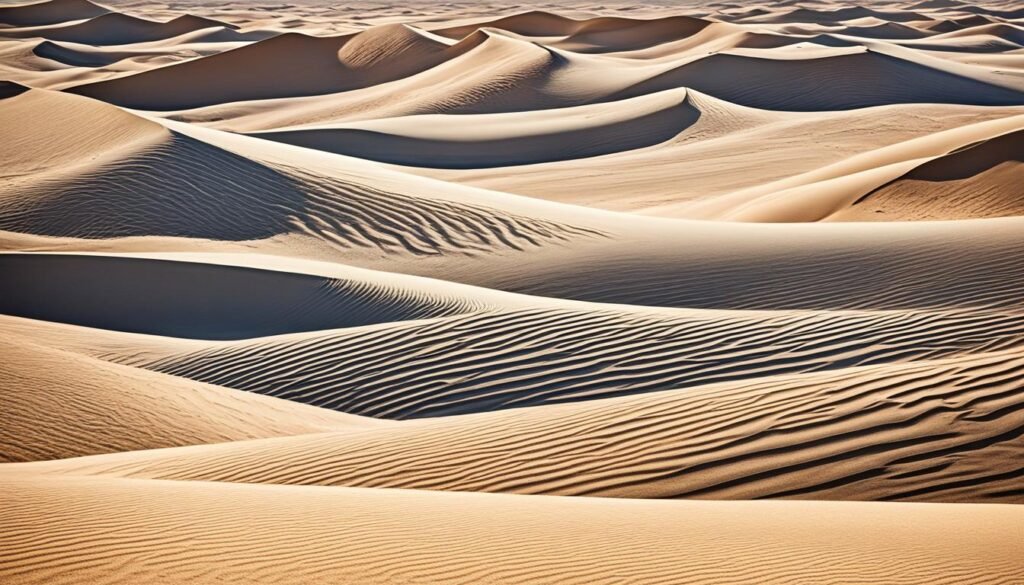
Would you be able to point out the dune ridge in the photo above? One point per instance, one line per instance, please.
(162, 297)
(257, 200)
(115, 28)
(59, 405)
(49, 12)
(510, 139)
(377, 293)
(979, 180)
(481, 362)
(946, 430)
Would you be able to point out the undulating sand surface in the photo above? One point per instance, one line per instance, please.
(698, 292)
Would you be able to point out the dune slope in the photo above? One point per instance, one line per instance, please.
(498, 140)
(947, 430)
(58, 404)
(310, 534)
(459, 292)
(835, 82)
(979, 180)
(50, 12)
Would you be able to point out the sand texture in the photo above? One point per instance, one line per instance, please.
(704, 292)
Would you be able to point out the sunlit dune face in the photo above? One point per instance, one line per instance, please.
(588, 293)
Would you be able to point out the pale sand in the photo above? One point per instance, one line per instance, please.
(101, 530)
(281, 286)
(62, 405)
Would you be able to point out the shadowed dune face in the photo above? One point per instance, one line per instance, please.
(44, 13)
(322, 293)
(451, 141)
(201, 301)
(118, 29)
(980, 180)
(183, 187)
(845, 81)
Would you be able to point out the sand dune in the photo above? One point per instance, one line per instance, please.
(479, 237)
(803, 269)
(58, 404)
(1012, 14)
(409, 351)
(819, 193)
(310, 534)
(256, 200)
(623, 34)
(812, 15)
(509, 75)
(208, 301)
(946, 431)
(268, 69)
(120, 29)
(867, 79)
(447, 141)
(728, 149)
(534, 23)
(77, 57)
(980, 180)
(481, 362)
(186, 46)
(283, 285)
(35, 120)
(498, 74)
(1007, 32)
(230, 76)
(886, 30)
(50, 12)
(961, 23)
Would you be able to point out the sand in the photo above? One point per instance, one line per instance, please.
(700, 292)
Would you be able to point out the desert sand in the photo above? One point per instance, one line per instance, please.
(707, 292)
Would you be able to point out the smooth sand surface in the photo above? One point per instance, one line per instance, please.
(94, 529)
(702, 292)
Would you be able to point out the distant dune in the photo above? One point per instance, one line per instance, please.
(49, 12)
(119, 29)
(516, 138)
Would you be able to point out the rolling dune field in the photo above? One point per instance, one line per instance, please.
(702, 292)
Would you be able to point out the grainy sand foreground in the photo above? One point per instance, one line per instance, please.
(711, 293)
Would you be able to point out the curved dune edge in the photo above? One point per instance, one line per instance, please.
(455, 293)
(50, 134)
(946, 430)
(301, 534)
(58, 405)
(741, 150)
(872, 75)
(49, 12)
(543, 355)
(285, 200)
(979, 180)
(115, 28)
(196, 297)
(909, 270)
(828, 192)
(333, 64)
(264, 190)
(498, 140)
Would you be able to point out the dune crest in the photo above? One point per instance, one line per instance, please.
(60, 405)
(422, 293)
(49, 12)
